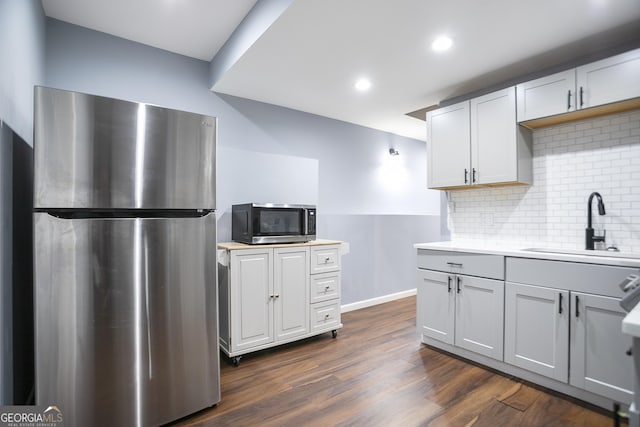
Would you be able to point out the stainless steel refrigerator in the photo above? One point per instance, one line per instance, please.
(124, 260)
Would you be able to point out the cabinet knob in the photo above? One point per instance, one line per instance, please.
(276, 296)
(326, 288)
(326, 316)
(326, 260)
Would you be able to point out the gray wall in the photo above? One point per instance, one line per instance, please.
(6, 239)
(250, 176)
(361, 195)
(22, 51)
(22, 48)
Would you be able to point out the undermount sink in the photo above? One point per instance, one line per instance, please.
(584, 252)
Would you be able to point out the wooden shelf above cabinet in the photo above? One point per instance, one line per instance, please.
(588, 113)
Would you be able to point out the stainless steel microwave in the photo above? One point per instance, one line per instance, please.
(260, 223)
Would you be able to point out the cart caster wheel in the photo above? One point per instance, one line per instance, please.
(236, 360)
(334, 333)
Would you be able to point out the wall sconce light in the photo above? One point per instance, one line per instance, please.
(393, 152)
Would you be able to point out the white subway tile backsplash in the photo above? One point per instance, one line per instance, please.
(569, 162)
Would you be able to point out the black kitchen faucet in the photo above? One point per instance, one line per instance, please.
(591, 238)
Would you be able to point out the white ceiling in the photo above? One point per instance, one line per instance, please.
(195, 28)
(311, 56)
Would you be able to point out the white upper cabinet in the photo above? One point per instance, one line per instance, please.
(500, 150)
(602, 87)
(547, 96)
(448, 150)
(478, 142)
(610, 80)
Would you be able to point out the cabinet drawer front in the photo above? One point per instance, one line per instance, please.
(325, 258)
(572, 276)
(325, 286)
(472, 264)
(325, 316)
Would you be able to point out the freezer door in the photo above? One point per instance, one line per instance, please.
(93, 152)
(126, 318)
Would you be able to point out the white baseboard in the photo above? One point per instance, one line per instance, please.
(377, 300)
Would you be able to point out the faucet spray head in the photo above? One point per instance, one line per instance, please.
(601, 210)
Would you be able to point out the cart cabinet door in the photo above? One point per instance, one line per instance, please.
(251, 298)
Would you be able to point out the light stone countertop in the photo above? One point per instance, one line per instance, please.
(621, 259)
(232, 246)
(225, 248)
(631, 322)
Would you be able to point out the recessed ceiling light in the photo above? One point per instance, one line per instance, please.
(363, 85)
(441, 44)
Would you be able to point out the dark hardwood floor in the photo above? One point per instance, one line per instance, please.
(376, 373)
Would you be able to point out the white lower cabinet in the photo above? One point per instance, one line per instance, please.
(572, 337)
(599, 362)
(571, 331)
(270, 296)
(462, 310)
(479, 315)
(552, 322)
(290, 293)
(436, 306)
(251, 293)
(536, 329)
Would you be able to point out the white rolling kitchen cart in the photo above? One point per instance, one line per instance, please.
(277, 293)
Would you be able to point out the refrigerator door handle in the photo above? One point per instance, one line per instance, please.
(148, 322)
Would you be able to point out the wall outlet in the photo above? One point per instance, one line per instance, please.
(487, 218)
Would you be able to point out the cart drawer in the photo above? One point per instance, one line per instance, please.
(325, 258)
(325, 286)
(325, 316)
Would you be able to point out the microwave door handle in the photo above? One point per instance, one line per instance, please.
(305, 222)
